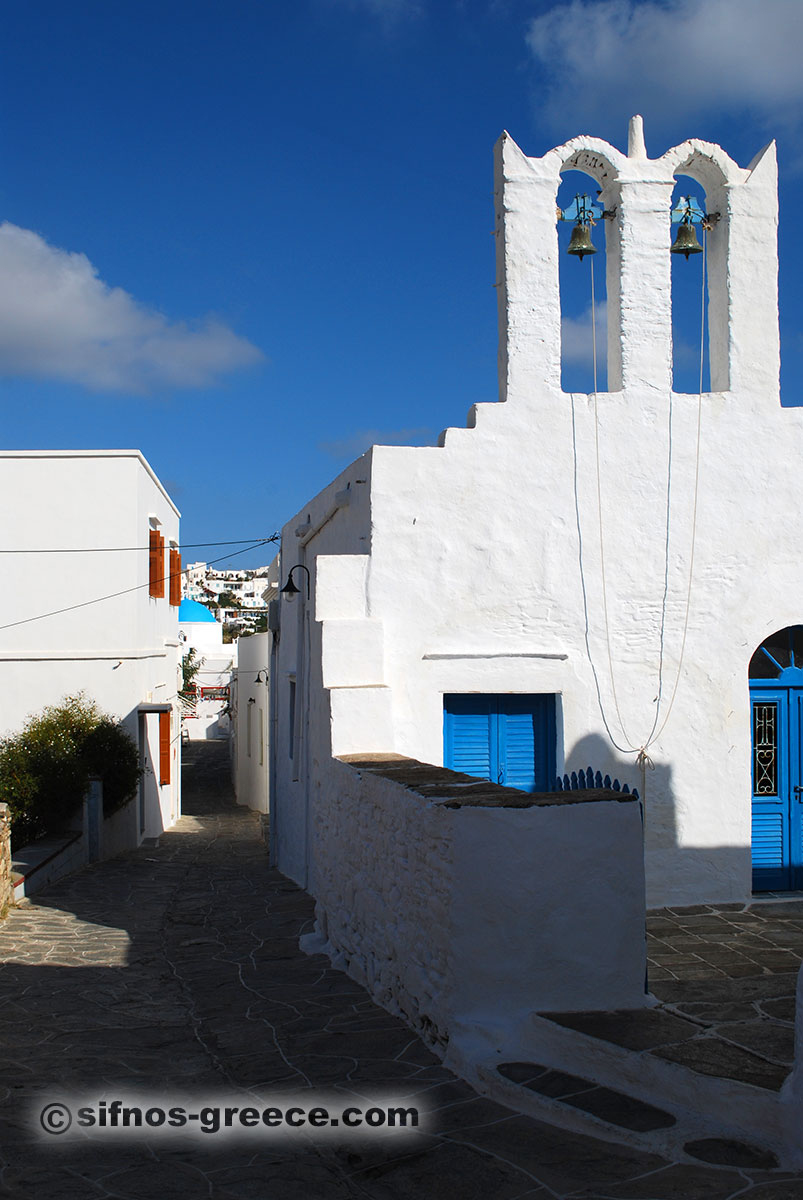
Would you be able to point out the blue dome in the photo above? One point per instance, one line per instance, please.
(190, 612)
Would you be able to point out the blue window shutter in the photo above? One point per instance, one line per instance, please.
(506, 738)
(517, 734)
(467, 740)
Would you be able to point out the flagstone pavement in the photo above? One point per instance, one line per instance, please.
(176, 971)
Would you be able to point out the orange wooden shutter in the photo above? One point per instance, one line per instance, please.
(153, 561)
(156, 564)
(162, 570)
(175, 577)
(164, 747)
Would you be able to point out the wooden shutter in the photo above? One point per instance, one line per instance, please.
(507, 738)
(175, 577)
(521, 734)
(469, 746)
(156, 568)
(164, 747)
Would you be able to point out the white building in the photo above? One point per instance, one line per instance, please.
(460, 596)
(208, 716)
(91, 586)
(250, 719)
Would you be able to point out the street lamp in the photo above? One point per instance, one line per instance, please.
(290, 591)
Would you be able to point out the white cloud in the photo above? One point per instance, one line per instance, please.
(357, 443)
(59, 320)
(577, 343)
(670, 59)
(576, 338)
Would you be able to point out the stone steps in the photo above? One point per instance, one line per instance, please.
(604, 1103)
(674, 1037)
(553, 1067)
(626, 1113)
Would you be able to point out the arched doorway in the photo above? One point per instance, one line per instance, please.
(776, 714)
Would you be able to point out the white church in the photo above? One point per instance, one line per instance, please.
(611, 579)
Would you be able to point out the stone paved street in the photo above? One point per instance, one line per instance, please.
(177, 971)
(726, 977)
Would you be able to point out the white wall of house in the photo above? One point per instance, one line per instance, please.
(457, 568)
(250, 721)
(121, 651)
(209, 718)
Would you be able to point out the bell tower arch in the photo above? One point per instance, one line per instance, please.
(742, 263)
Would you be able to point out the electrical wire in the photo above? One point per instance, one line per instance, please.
(127, 591)
(274, 537)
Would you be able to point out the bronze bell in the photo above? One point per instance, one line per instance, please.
(686, 240)
(580, 242)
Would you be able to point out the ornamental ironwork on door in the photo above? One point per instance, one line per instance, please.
(776, 700)
(765, 748)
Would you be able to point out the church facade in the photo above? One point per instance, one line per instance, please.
(610, 579)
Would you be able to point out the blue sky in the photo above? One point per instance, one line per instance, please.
(250, 238)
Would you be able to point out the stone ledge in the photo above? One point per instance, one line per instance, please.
(453, 789)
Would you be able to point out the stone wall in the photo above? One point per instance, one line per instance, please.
(383, 893)
(6, 885)
(461, 904)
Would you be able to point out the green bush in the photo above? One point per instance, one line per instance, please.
(45, 768)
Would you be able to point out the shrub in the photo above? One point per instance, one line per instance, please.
(45, 768)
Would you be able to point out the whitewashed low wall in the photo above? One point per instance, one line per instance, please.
(478, 913)
(45, 862)
(92, 838)
(382, 886)
(548, 908)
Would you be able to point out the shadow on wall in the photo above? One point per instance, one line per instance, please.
(218, 729)
(672, 867)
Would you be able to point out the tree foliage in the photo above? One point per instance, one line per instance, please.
(45, 768)
(190, 666)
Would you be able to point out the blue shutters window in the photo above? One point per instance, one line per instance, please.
(507, 738)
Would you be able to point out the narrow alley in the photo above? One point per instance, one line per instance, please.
(176, 971)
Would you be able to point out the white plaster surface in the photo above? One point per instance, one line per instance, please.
(353, 654)
(548, 908)
(250, 722)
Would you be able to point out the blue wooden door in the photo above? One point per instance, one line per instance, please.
(509, 739)
(776, 713)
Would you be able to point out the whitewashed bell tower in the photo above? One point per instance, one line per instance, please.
(742, 252)
(686, 508)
